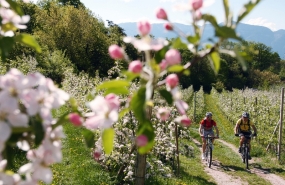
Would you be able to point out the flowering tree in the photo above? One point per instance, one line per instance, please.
(159, 73)
(26, 104)
(26, 101)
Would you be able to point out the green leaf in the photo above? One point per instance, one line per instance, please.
(113, 84)
(28, 40)
(118, 91)
(6, 44)
(137, 104)
(175, 69)
(63, 119)
(246, 9)
(90, 97)
(215, 59)
(159, 56)
(73, 104)
(211, 19)
(16, 7)
(186, 72)
(193, 39)
(166, 95)
(226, 8)
(89, 137)
(178, 44)
(240, 59)
(226, 32)
(39, 132)
(108, 139)
(146, 129)
(123, 112)
(17, 130)
(130, 76)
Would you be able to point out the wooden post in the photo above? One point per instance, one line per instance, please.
(255, 100)
(177, 149)
(275, 129)
(281, 120)
(194, 107)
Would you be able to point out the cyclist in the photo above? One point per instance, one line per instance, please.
(242, 128)
(206, 128)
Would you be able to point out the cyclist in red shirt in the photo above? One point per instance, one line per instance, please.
(206, 128)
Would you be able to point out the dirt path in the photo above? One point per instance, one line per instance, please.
(263, 173)
(216, 171)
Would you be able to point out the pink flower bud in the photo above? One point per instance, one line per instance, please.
(116, 52)
(186, 122)
(75, 119)
(97, 154)
(172, 80)
(183, 120)
(163, 65)
(173, 57)
(163, 114)
(198, 15)
(168, 26)
(161, 14)
(181, 106)
(144, 27)
(141, 140)
(113, 101)
(196, 4)
(135, 66)
(31, 155)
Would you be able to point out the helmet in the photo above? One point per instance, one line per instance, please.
(209, 114)
(245, 115)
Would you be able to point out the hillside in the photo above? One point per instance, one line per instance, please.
(273, 39)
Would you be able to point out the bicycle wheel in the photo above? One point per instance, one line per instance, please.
(209, 157)
(246, 156)
(243, 154)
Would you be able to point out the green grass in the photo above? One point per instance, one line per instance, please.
(191, 171)
(77, 166)
(266, 160)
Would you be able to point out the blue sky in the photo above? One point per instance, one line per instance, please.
(269, 13)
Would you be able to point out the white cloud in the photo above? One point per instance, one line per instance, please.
(262, 22)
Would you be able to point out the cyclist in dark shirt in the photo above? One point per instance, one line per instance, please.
(242, 129)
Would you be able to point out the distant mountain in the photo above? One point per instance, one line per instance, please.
(273, 39)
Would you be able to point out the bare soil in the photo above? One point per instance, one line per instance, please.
(218, 174)
(222, 178)
(263, 173)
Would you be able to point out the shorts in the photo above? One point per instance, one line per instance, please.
(208, 132)
(242, 133)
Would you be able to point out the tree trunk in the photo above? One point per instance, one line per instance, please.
(140, 169)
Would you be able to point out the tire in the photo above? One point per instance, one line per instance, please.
(209, 156)
(243, 153)
(246, 156)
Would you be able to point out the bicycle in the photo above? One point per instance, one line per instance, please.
(245, 148)
(209, 149)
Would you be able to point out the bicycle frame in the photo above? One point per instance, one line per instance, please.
(245, 149)
(209, 149)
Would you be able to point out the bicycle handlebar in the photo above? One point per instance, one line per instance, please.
(239, 135)
(213, 137)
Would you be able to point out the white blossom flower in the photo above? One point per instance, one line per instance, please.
(146, 43)
(104, 114)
